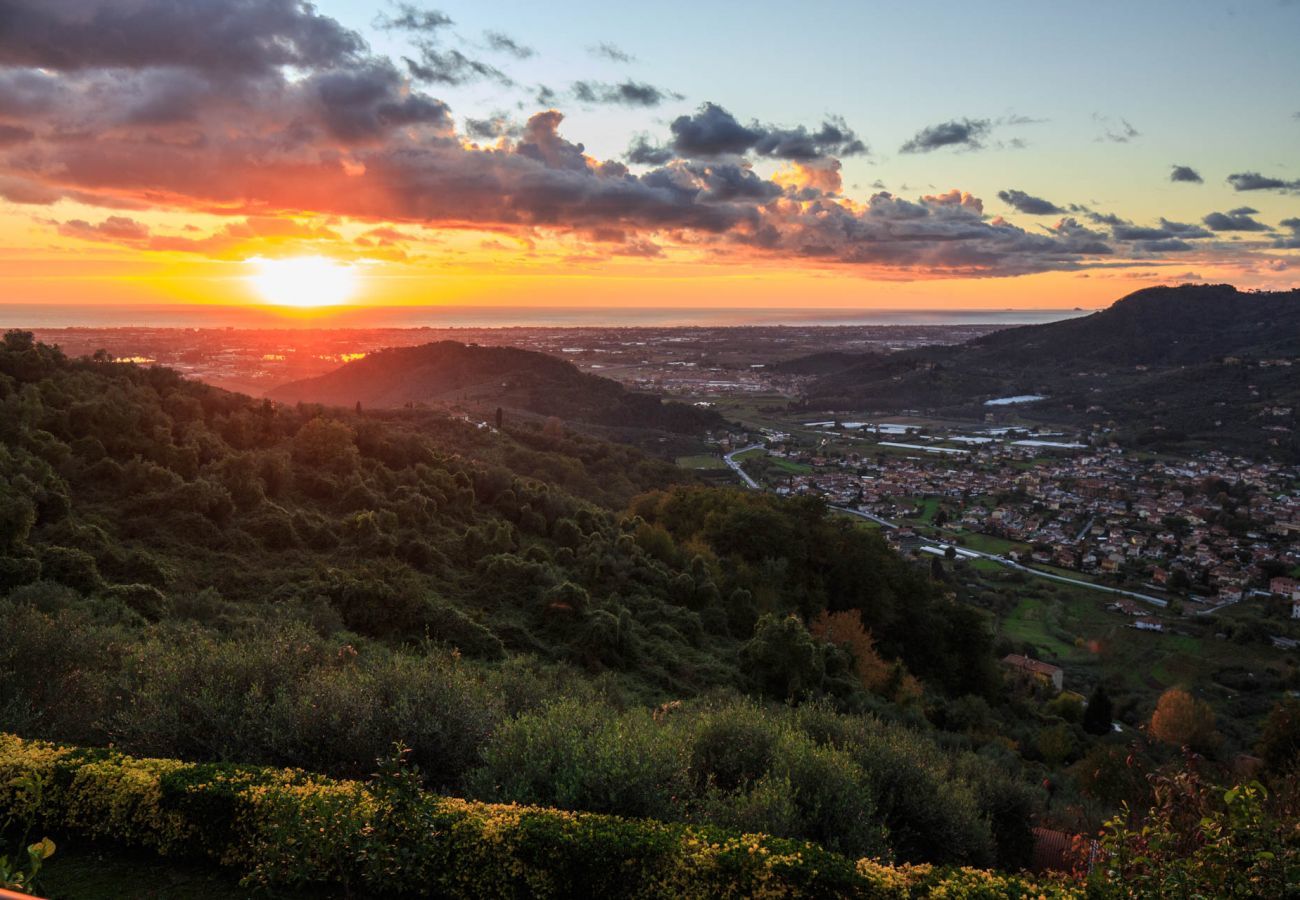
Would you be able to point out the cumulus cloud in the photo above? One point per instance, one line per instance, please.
(1291, 241)
(967, 133)
(1235, 220)
(713, 131)
(1025, 203)
(230, 37)
(491, 128)
(1253, 181)
(1185, 173)
(301, 121)
(625, 93)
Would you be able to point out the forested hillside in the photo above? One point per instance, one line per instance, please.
(193, 574)
(520, 381)
(1197, 366)
(190, 572)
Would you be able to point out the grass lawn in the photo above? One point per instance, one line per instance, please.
(929, 506)
(987, 543)
(1070, 626)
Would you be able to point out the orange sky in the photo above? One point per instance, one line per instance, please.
(40, 265)
(143, 162)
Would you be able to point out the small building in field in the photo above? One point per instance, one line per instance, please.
(1146, 623)
(1035, 670)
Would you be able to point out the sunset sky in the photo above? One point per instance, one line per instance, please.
(923, 154)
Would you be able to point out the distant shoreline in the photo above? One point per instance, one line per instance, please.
(46, 316)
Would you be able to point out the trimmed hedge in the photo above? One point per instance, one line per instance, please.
(285, 828)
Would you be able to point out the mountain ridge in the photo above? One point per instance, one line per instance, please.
(1187, 365)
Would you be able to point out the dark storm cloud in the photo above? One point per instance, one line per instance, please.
(625, 93)
(606, 50)
(1033, 206)
(643, 153)
(1187, 174)
(967, 133)
(244, 37)
(1235, 220)
(712, 131)
(364, 102)
(504, 43)
(1253, 181)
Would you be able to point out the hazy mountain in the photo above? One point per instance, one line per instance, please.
(487, 377)
(1191, 364)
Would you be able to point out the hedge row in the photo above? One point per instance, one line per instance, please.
(284, 828)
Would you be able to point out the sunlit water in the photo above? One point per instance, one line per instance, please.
(13, 315)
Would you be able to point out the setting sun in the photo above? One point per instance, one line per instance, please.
(304, 281)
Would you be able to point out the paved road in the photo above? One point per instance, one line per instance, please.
(865, 515)
(730, 460)
(965, 551)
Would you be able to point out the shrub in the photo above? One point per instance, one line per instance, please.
(287, 829)
(1199, 840)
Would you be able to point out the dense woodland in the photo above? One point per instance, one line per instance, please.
(539, 617)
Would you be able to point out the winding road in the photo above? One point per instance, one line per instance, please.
(966, 551)
(730, 460)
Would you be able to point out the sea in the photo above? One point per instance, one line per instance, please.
(36, 315)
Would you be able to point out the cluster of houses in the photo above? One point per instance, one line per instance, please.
(1102, 512)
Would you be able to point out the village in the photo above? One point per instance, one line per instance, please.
(1198, 533)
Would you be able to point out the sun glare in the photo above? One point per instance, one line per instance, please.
(303, 281)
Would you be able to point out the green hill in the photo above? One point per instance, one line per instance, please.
(486, 377)
(192, 573)
(1194, 366)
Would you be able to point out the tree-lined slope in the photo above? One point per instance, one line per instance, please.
(521, 380)
(1200, 365)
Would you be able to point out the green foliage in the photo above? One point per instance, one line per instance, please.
(854, 784)
(782, 659)
(1100, 712)
(20, 869)
(1199, 840)
(1279, 744)
(287, 829)
(788, 556)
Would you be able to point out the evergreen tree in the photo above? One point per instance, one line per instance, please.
(1097, 717)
